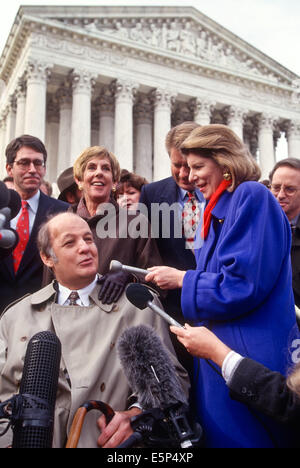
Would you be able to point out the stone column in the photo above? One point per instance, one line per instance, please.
(143, 142)
(235, 120)
(163, 101)
(21, 107)
(293, 139)
(64, 99)
(83, 82)
(52, 129)
(203, 107)
(11, 119)
(106, 103)
(125, 92)
(266, 144)
(35, 115)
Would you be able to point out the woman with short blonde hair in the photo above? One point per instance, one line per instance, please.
(99, 152)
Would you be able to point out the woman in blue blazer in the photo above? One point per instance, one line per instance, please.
(242, 287)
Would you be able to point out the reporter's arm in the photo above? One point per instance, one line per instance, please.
(249, 382)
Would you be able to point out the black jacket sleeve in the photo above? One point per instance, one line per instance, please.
(265, 391)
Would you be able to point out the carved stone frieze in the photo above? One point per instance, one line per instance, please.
(180, 36)
(76, 49)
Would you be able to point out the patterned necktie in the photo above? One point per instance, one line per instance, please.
(23, 232)
(190, 220)
(73, 298)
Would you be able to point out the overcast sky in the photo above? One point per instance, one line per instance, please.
(270, 25)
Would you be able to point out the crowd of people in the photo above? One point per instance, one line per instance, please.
(222, 256)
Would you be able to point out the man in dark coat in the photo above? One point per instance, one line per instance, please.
(173, 190)
(285, 185)
(26, 162)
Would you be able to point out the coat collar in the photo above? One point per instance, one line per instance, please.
(221, 208)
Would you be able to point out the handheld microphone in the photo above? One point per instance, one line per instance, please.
(140, 296)
(152, 377)
(8, 239)
(118, 266)
(5, 214)
(34, 426)
(15, 203)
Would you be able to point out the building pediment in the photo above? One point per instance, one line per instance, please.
(184, 38)
(170, 35)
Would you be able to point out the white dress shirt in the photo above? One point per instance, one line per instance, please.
(33, 204)
(83, 300)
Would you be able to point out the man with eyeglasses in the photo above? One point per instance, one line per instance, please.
(285, 185)
(21, 272)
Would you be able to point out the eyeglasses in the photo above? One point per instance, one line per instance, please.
(287, 190)
(26, 163)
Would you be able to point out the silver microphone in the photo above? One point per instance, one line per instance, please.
(118, 266)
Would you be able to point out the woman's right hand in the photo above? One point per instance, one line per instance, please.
(201, 342)
(165, 277)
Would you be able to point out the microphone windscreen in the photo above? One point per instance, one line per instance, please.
(138, 295)
(15, 203)
(149, 369)
(4, 195)
(40, 380)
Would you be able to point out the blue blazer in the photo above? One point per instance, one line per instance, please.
(30, 273)
(242, 291)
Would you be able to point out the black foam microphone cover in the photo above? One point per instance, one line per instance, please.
(4, 195)
(38, 388)
(15, 203)
(138, 295)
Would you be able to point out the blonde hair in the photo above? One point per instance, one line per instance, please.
(92, 152)
(221, 144)
(178, 134)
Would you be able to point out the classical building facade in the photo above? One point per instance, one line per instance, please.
(122, 76)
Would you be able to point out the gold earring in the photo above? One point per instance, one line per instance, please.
(114, 189)
(227, 176)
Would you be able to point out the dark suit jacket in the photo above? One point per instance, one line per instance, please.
(172, 251)
(30, 273)
(295, 257)
(266, 391)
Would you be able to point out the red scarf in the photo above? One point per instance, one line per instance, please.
(212, 203)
